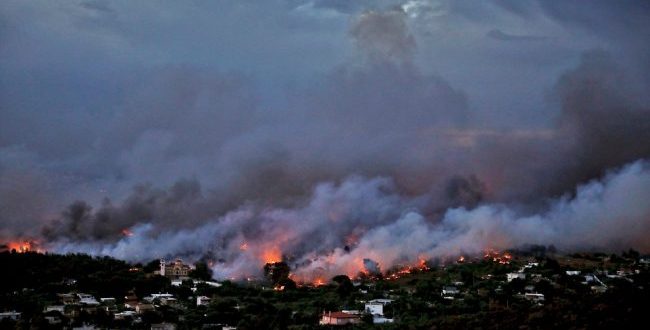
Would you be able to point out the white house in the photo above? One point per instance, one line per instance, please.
(376, 306)
(535, 297)
(123, 315)
(107, 300)
(10, 315)
(57, 308)
(87, 299)
(450, 291)
(163, 326)
(512, 276)
(202, 301)
(210, 283)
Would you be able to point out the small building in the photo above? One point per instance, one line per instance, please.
(202, 301)
(142, 308)
(67, 298)
(210, 283)
(376, 306)
(87, 299)
(339, 318)
(163, 326)
(381, 320)
(174, 269)
(130, 300)
(573, 272)
(512, 276)
(53, 317)
(535, 297)
(109, 301)
(58, 308)
(450, 291)
(13, 315)
(124, 315)
(599, 288)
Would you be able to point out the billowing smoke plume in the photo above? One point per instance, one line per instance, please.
(364, 225)
(378, 162)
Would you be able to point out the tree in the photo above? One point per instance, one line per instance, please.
(345, 286)
(151, 266)
(276, 271)
(288, 284)
(201, 271)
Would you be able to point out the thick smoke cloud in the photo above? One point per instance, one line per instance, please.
(363, 224)
(384, 35)
(383, 131)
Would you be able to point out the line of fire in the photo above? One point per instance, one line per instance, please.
(280, 269)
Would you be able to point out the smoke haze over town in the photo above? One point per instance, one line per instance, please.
(335, 135)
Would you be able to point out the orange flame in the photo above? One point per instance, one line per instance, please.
(496, 256)
(423, 264)
(126, 232)
(271, 255)
(22, 246)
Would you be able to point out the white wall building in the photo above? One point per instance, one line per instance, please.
(512, 276)
(202, 301)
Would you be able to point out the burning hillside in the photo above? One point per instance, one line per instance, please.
(22, 246)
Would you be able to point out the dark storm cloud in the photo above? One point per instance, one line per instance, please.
(394, 129)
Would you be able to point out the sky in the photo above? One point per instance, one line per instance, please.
(272, 121)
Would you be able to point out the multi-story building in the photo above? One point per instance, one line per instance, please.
(174, 269)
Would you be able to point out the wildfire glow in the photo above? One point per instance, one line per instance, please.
(420, 267)
(22, 246)
(243, 246)
(496, 256)
(126, 232)
(271, 255)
